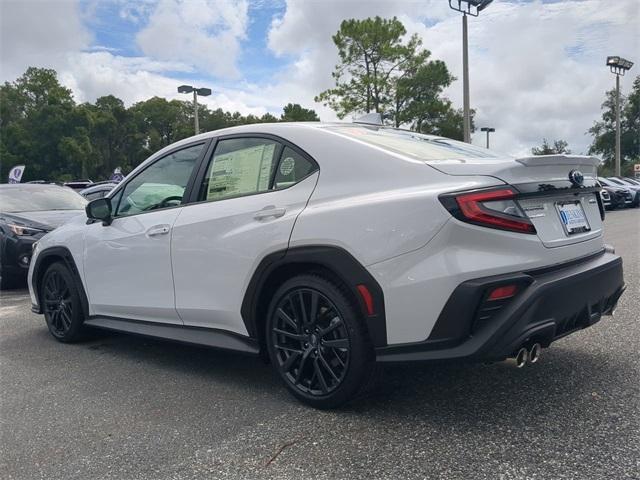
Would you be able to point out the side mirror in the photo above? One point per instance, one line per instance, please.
(100, 209)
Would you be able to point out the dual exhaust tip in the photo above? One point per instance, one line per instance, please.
(524, 356)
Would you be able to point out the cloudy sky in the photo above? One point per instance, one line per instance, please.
(537, 67)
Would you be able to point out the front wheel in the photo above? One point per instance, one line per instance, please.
(61, 303)
(317, 342)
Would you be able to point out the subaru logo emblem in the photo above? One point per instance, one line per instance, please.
(576, 177)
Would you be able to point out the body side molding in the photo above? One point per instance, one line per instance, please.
(207, 337)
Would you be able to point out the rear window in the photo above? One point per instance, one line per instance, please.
(416, 145)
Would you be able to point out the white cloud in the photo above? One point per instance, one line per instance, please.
(537, 69)
(202, 33)
(133, 79)
(38, 34)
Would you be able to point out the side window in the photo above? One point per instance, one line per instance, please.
(240, 166)
(160, 185)
(292, 168)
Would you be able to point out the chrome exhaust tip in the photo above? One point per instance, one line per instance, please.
(534, 353)
(522, 357)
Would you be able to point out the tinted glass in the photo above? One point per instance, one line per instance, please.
(292, 168)
(96, 194)
(417, 145)
(160, 185)
(240, 166)
(34, 198)
(604, 182)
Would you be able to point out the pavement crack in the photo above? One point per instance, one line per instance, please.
(280, 450)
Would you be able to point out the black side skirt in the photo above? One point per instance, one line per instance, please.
(207, 337)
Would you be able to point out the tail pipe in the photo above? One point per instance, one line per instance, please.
(520, 359)
(526, 355)
(534, 353)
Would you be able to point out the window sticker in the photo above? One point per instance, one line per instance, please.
(241, 172)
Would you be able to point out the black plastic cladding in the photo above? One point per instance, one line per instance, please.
(337, 261)
(53, 254)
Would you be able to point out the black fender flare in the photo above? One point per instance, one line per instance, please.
(335, 259)
(45, 258)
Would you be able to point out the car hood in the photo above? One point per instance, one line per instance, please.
(44, 220)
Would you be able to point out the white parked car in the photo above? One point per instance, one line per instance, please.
(329, 247)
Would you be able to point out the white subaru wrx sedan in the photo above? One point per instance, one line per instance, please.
(328, 247)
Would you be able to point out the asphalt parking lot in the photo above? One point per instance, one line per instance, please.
(123, 407)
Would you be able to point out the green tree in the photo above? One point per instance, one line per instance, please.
(372, 55)
(445, 121)
(162, 122)
(37, 118)
(294, 112)
(604, 131)
(380, 72)
(558, 147)
(268, 118)
(115, 137)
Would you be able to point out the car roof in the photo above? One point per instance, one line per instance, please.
(274, 127)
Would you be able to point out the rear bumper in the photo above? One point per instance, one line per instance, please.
(550, 303)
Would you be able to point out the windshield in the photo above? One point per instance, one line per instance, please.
(35, 198)
(604, 182)
(417, 145)
(617, 182)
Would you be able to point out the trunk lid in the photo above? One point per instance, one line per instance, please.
(542, 168)
(561, 211)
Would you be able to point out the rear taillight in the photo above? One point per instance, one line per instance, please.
(494, 208)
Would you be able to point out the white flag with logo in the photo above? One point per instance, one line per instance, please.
(15, 174)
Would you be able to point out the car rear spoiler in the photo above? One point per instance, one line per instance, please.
(571, 160)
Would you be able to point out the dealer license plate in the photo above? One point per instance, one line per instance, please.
(572, 217)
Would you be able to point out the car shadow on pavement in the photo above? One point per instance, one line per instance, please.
(564, 378)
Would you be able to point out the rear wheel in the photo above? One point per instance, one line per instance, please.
(317, 342)
(61, 303)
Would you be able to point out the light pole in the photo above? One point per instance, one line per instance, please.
(488, 130)
(618, 66)
(203, 92)
(473, 8)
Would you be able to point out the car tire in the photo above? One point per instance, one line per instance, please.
(61, 305)
(318, 343)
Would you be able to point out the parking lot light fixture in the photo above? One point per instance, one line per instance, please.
(203, 92)
(488, 130)
(473, 8)
(618, 67)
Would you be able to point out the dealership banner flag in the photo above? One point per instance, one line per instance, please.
(15, 174)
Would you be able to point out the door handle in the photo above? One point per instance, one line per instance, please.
(157, 230)
(269, 211)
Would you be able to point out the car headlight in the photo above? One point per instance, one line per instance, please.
(21, 230)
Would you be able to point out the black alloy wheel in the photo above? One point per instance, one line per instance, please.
(61, 303)
(317, 342)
